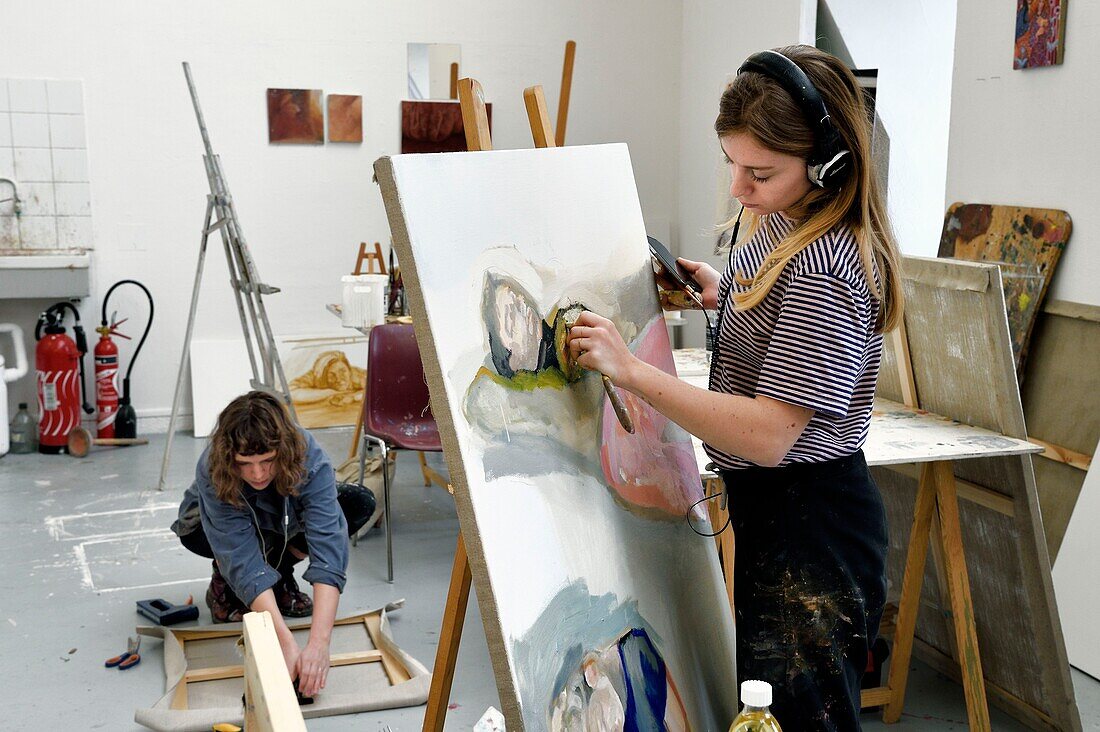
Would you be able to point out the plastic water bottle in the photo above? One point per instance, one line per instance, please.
(755, 716)
(24, 432)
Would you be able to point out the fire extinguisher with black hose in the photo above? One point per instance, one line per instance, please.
(116, 416)
(59, 364)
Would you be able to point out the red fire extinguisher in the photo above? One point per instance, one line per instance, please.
(106, 380)
(116, 416)
(59, 365)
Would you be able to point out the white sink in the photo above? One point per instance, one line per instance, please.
(64, 259)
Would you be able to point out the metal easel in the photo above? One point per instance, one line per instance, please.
(245, 281)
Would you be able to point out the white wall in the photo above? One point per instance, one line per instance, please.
(304, 209)
(912, 46)
(716, 37)
(1029, 138)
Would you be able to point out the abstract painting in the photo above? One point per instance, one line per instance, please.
(1040, 33)
(295, 116)
(345, 118)
(602, 608)
(434, 126)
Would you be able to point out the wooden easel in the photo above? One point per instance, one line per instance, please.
(935, 518)
(475, 121)
(370, 258)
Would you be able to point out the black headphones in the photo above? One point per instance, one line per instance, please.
(828, 163)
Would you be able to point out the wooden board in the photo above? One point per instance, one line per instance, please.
(963, 368)
(1026, 243)
(204, 673)
(1061, 396)
(269, 701)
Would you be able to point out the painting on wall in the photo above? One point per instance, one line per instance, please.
(294, 116)
(1040, 33)
(327, 377)
(600, 602)
(345, 118)
(434, 126)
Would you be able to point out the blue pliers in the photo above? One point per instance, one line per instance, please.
(129, 659)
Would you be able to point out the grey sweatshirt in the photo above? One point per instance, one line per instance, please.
(232, 531)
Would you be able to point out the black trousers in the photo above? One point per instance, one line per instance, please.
(355, 501)
(809, 585)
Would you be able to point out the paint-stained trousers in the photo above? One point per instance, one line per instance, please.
(809, 585)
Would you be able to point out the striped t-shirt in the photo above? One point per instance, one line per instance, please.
(810, 342)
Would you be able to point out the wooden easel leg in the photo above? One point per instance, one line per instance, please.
(962, 607)
(909, 603)
(450, 635)
(424, 469)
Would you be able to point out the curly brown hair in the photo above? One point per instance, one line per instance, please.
(254, 424)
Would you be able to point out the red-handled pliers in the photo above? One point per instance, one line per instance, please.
(129, 659)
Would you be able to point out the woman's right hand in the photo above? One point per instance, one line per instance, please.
(707, 277)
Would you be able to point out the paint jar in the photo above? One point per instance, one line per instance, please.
(755, 716)
(364, 300)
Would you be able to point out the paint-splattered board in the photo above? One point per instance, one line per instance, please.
(1026, 243)
(901, 435)
(961, 356)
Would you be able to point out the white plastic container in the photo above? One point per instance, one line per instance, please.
(10, 374)
(364, 300)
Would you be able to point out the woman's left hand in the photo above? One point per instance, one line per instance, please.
(595, 344)
(313, 664)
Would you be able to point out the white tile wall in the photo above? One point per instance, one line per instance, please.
(73, 199)
(38, 232)
(74, 231)
(9, 232)
(43, 149)
(27, 95)
(67, 130)
(38, 199)
(33, 165)
(70, 166)
(30, 130)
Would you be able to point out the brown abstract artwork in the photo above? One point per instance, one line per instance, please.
(345, 118)
(294, 116)
(434, 126)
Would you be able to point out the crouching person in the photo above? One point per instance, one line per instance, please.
(265, 498)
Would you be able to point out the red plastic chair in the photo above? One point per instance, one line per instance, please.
(396, 413)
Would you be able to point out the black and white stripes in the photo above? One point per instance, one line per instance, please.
(810, 342)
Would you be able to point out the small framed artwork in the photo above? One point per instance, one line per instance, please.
(1040, 33)
(294, 116)
(345, 118)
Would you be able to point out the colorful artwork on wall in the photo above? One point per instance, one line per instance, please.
(345, 118)
(294, 116)
(591, 582)
(1040, 33)
(434, 126)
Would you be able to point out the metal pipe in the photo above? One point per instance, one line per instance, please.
(18, 205)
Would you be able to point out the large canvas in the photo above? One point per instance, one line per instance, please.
(601, 606)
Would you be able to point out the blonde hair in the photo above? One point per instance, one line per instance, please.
(757, 105)
(255, 423)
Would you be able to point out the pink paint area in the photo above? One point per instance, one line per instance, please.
(654, 468)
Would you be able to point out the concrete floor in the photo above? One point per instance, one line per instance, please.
(85, 539)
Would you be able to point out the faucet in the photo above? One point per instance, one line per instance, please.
(17, 204)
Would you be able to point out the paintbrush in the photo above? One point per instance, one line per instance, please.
(568, 318)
